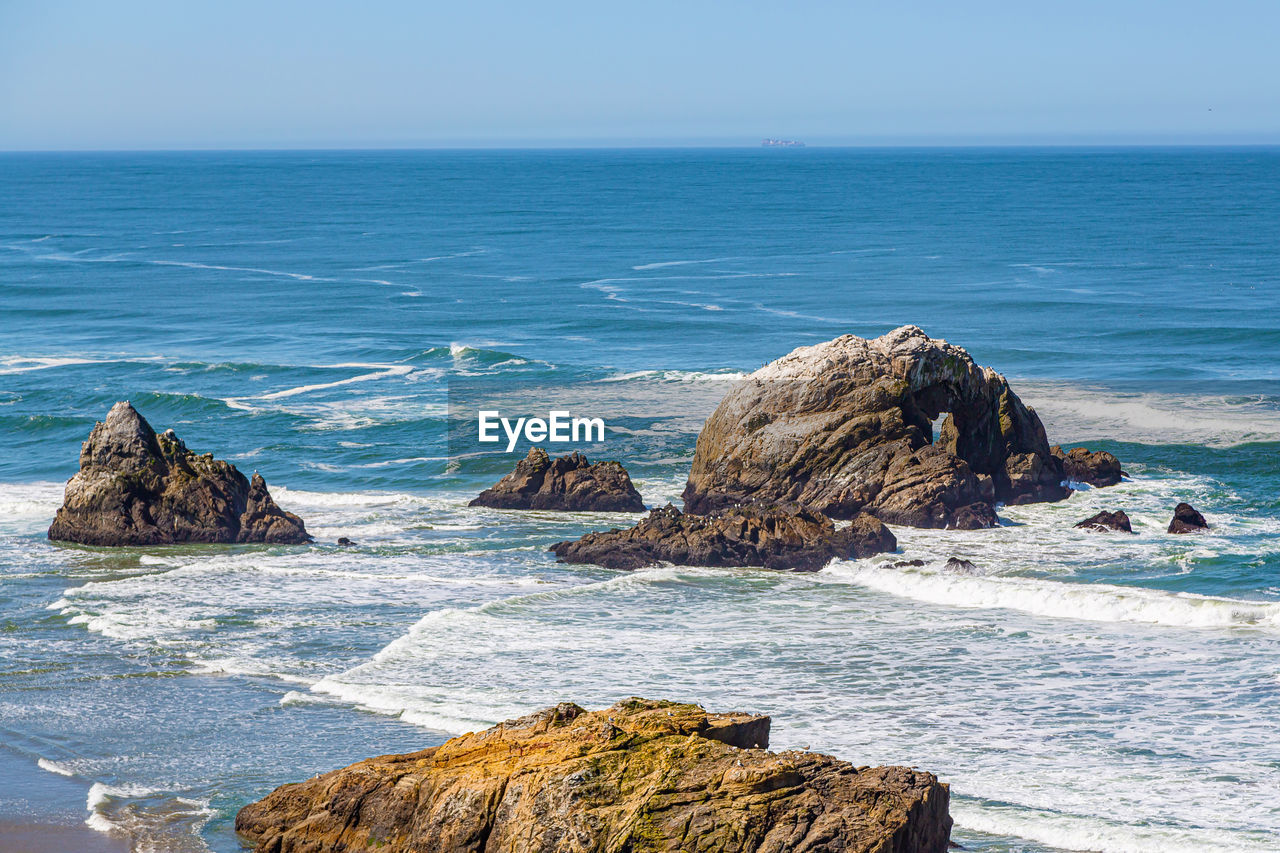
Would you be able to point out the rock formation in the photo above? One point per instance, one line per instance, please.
(1104, 521)
(789, 538)
(640, 776)
(960, 566)
(847, 426)
(138, 488)
(1187, 520)
(569, 483)
(1097, 468)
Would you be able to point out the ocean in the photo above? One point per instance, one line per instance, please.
(315, 316)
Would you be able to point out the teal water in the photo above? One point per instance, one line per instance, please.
(312, 315)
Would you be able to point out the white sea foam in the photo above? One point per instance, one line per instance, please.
(25, 364)
(1057, 599)
(26, 507)
(1078, 413)
(678, 376)
(1077, 832)
(384, 371)
(297, 276)
(663, 264)
(152, 821)
(54, 767)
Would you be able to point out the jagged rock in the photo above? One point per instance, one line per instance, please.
(138, 488)
(1118, 520)
(975, 516)
(569, 483)
(846, 426)
(961, 567)
(789, 538)
(1097, 468)
(642, 775)
(1187, 520)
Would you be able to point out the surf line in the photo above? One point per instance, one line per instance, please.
(558, 427)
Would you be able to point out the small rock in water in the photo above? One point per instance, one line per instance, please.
(345, 542)
(961, 567)
(1187, 520)
(902, 563)
(775, 537)
(1097, 468)
(1104, 520)
(567, 484)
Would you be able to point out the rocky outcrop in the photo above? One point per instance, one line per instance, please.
(1104, 521)
(1186, 519)
(1097, 468)
(138, 488)
(568, 483)
(640, 776)
(847, 426)
(788, 538)
(959, 566)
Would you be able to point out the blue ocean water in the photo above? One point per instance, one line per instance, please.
(312, 315)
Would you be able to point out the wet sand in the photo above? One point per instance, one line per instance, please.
(56, 838)
(43, 812)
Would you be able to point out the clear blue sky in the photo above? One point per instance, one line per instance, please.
(178, 74)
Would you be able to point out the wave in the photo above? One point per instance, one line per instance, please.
(27, 508)
(53, 767)
(26, 364)
(385, 371)
(1094, 602)
(664, 264)
(1077, 832)
(1078, 413)
(150, 819)
(679, 376)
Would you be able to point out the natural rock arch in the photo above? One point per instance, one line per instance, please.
(846, 426)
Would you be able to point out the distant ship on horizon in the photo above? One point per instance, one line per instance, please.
(781, 143)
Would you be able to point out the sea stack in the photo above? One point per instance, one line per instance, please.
(848, 426)
(135, 487)
(641, 775)
(568, 484)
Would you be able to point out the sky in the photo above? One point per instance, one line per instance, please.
(128, 74)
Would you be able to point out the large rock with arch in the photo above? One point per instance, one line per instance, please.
(855, 425)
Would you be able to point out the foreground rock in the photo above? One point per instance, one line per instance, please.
(569, 483)
(1187, 520)
(642, 775)
(1104, 521)
(774, 537)
(847, 426)
(1097, 468)
(138, 488)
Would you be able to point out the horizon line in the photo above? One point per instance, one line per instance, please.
(644, 147)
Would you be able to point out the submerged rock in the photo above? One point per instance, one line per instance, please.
(1187, 520)
(788, 538)
(960, 566)
(1097, 468)
(569, 483)
(138, 488)
(642, 775)
(847, 426)
(1118, 520)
